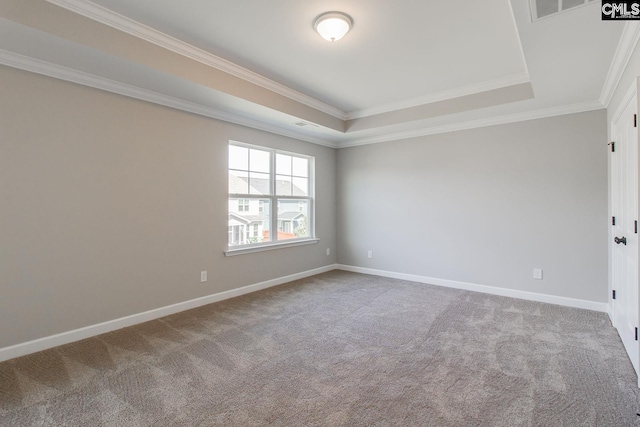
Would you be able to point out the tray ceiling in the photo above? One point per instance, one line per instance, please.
(405, 68)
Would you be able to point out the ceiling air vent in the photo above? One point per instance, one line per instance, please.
(304, 124)
(545, 8)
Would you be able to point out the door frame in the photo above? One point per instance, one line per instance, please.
(628, 97)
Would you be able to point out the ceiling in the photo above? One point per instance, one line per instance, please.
(418, 49)
(405, 69)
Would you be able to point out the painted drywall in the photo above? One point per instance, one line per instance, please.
(112, 206)
(499, 96)
(484, 206)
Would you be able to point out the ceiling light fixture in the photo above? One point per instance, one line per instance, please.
(333, 26)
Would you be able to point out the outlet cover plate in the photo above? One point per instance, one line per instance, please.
(537, 273)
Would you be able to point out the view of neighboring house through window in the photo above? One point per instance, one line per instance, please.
(269, 190)
(243, 205)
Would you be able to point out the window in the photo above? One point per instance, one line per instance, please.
(269, 190)
(545, 8)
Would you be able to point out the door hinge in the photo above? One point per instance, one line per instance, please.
(635, 120)
(635, 226)
(613, 220)
(614, 294)
(613, 146)
(636, 334)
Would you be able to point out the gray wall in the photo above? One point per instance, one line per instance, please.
(112, 206)
(484, 206)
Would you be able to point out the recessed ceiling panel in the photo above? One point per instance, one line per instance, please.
(405, 50)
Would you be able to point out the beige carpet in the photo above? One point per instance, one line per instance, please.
(338, 349)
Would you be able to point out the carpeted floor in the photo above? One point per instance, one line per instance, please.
(337, 349)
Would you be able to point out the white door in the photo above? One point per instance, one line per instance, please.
(624, 204)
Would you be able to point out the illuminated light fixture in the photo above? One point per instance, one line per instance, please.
(333, 26)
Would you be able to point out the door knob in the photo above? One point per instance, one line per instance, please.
(619, 240)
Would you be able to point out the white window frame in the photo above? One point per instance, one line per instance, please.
(273, 198)
(243, 205)
(533, 6)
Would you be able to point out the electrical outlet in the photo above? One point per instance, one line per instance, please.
(203, 276)
(328, 251)
(537, 273)
(370, 254)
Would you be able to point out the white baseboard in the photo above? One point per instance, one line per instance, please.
(40, 344)
(610, 313)
(29, 347)
(531, 296)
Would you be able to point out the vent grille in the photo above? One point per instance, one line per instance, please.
(545, 8)
(303, 124)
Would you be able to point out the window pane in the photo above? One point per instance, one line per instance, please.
(259, 183)
(293, 219)
(238, 157)
(246, 223)
(300, 167)
(300, 187)
(283, 185)
(283, 164)
(259, 161)
(238, 182)
(546, 7)
(568, 4)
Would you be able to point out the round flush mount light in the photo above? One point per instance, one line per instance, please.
(333, 26)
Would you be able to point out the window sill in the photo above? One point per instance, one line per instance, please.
(271, 246)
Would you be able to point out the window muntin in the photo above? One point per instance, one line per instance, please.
(268, 190)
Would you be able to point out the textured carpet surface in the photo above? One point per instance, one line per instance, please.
(337, 349)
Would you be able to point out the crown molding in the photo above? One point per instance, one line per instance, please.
(122, 23)
(60, 72)
(443, 96)
(627, 44)
(626, 98)
(472, 124)
(107, 17)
